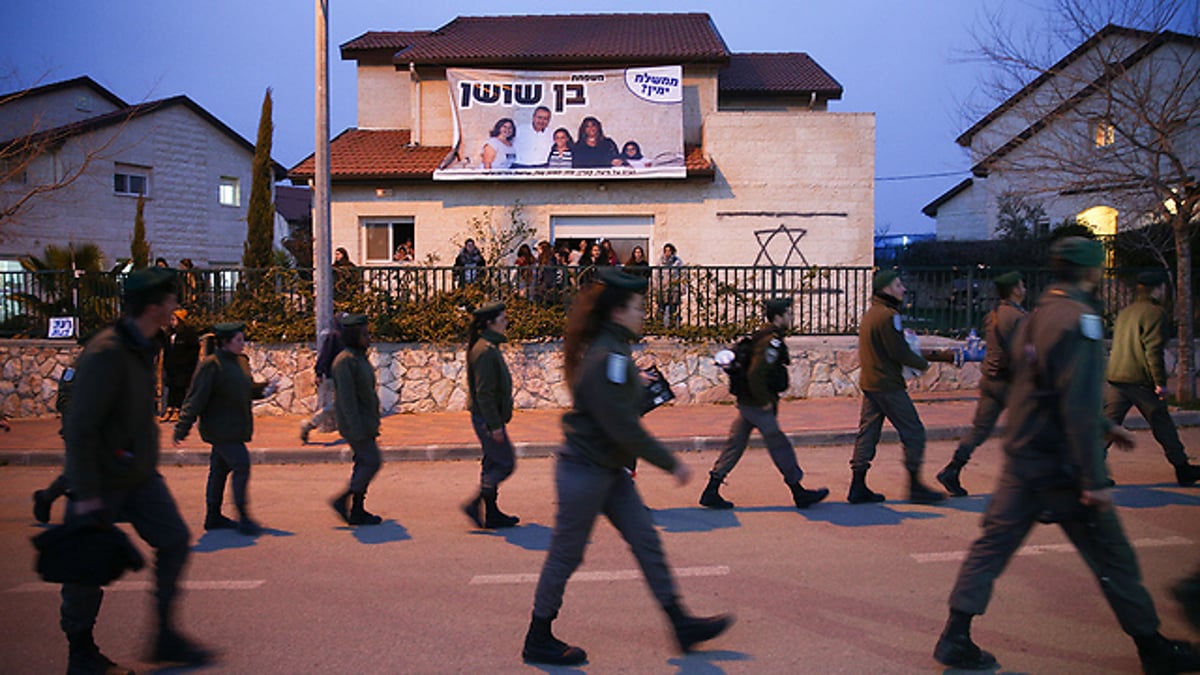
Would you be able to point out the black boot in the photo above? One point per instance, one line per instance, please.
(44, 499)
(711, 497)
(247, 525)
(358, 514)
(859, 492)
(955, 648)
(806, 498)
(494, 518)
(692, 630)
(1161, 656)
(213, 520)
(1185, 474)
(84, 658)
(341, 506)
(474, 510)
(918, 493)
(1187, 593)
(948, 477)
(171, 647)
(542, 647)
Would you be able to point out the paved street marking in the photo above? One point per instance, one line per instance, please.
(1039, 549)
(617, 575)
(247, 585)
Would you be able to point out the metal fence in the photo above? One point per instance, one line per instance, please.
(681, 300)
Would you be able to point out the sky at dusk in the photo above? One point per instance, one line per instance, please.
(902, 61)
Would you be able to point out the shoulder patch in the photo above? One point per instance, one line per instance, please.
(68, 375)
(617, 368)
(1091, 327)
(771, 354)
(896, 322)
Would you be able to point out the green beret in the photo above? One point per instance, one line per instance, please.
(144, 283)
(611, 276)
(354, 320)
(1078, 251)
(883, 278)
(777, 306)
(1152, 278)
(489, 311)
(1008, 279)
(226, 330)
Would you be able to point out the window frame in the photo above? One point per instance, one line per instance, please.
(395, 225)
(233, 182)
(129, 172)
(1104, 133)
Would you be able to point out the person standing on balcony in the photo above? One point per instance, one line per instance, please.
(670, 281)
(1000, 327)
(882, 353)
(1137, 373)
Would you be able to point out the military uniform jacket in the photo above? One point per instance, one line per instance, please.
(111, 429)
(355, 400)
(1137, 346)
(221, 394)
(1000, 328)
(882, 349)
(604, 423)
(769, 357)
(1056, 400)
(489, 383)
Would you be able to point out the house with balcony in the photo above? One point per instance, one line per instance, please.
(741, 160)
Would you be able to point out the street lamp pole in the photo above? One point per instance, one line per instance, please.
(322, 253)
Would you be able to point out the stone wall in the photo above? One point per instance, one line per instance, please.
(424, 378)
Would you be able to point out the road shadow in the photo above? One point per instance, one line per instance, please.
(694, 519)
(863, 515)
(968, 504)
(224, 540)
(705, 662)
(1153, 496)
(529, 536)
(172, 670)
(387, 532)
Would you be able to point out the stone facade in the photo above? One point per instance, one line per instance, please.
(426, 378)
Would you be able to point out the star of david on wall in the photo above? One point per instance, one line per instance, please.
(793, 235)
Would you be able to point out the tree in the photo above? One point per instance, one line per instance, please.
(498, 242)
(1019, 218)
(1116, 122)
(139, 248)
(260, 214)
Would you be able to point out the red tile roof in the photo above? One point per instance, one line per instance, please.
(361, 154)
(777, 73)
(389, 40)
(556, 40)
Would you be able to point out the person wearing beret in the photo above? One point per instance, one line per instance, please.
(882, 354)
(1137, 373)
(1055, 472)
(489, 386)
(1000, 326)
(604, 438)
(758, 408)
(111, 435)
(356, 403)
(221, 396)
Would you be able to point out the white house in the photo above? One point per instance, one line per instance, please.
(1081, 139)
(738, 145)
(192, 169)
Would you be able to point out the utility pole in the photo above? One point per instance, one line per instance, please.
(322, 245)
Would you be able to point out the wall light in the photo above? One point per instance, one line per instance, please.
(380, 193)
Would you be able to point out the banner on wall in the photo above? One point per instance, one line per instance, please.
(521, 124)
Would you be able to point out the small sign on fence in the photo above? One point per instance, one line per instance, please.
(61, 327)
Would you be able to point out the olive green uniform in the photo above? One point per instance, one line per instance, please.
(882, 354)
(489, 385)
(1000, 328)
(357, 405)
(1136, 367)
(1055, 437)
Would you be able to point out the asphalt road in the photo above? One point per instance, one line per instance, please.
(835, 589)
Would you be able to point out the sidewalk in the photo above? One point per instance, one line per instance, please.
(535, 433)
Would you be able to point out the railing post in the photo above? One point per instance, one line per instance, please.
(970, 298)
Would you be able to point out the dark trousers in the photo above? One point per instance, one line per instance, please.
(992, 397)
(584, 492)
(898, 409)
(1119, 398)
(227, 458)
(780, 448)
(499, 460)
(1099, 539)
(151, 510)
(367, 460)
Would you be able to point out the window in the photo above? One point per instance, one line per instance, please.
(229, 191)
(1103, 133)
(131, 180)
(383, 236)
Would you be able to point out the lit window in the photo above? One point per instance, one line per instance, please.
(229, 192)
(1103, 133)
(382, 238)
(131, 180)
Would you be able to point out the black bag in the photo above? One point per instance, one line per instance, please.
(658, 391)
(739, 368)
(85, 551)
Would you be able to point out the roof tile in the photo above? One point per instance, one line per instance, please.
(787, 72)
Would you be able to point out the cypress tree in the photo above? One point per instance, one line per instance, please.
(139, 248)
(260, 214)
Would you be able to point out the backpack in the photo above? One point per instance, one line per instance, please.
(739, 368)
